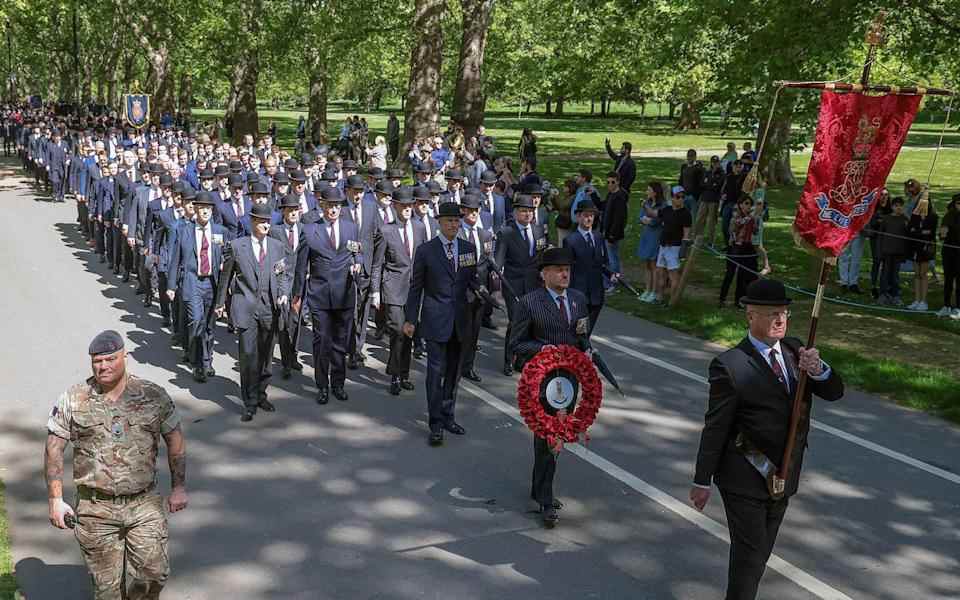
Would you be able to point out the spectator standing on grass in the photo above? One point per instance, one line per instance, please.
(393, 136)
(585, 191)
(676, 221)
(649, 246)
(614, 223)
(950, 253)
(893, 250)
(848, 265)
(563, 202)
(726, 161)
(623, 164)
(742, 254)
(691, 180)
(872, 229)
(528, 174)
(527, 148)
(728, 198)
(706, 220)
(922, 230)
(748, 150)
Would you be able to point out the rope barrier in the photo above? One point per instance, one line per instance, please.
(907, 237)
(831, 299)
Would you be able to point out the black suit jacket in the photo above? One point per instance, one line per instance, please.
(746, 396)
(586, 273)
(537, 322)
(513, 256)
(245, 277)
(392, 265)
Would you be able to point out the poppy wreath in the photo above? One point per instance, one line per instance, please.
(560, 427)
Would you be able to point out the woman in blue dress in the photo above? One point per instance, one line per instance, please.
(650, 238)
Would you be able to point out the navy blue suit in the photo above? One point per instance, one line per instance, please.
(438, 302)
(586, 273)
(197, 292)
(331, 296)
(56, 158)
(223, 214)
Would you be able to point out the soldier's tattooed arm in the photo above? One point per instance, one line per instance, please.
(177, 457)
(53, 465)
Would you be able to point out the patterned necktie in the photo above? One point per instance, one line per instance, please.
(777, 369)
(527, 235)
(453, 263)
(263, 251)
(563, 310)
(290, 238)
(204, 255)
(332, 232)
(237, 208)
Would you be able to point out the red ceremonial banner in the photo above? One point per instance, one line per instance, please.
(858, 140)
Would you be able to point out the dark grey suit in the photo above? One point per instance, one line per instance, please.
(390, 280)
(538, 322)
(289, 334)
(369, 228)
(256, 312)
(520, 269)
(478, 305)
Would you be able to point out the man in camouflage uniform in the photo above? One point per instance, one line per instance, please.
(115, 421)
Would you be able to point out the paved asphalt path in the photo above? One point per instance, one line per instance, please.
(347, 501)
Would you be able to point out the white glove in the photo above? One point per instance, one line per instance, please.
(58, 511)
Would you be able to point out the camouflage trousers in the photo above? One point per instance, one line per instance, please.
(125, 547)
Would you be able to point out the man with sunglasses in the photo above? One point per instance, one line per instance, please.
(744, 438)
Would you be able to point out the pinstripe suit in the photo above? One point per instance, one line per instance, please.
(537, 322)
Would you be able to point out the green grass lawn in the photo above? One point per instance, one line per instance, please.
(908, 358)
(8, 582)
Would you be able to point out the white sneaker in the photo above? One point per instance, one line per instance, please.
(912, 305)
(944, 312)
(648, 296)
(955, 315)
(922, 306)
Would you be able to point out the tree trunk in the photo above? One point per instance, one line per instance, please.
(317, 116)
(558, 109)
(671, 113)
(591, 106)
(185, 94)
(469, 100)
(245, 117)
(527, 111)
(689, 117)
(603, 106)
(775, 162)
(549, 109)
(422, 114)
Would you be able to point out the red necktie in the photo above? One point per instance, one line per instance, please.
(263, 251)
(290, 237)
(777, 369)
(407, 241)
(563, 310)
(204, 258)
(333, 240)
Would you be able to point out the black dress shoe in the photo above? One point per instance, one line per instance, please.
(102, 259)
(199, 375)
(147, 299)
(472, 375)
(247, 415)
(166, 322)
(175, 341)
(418, 352)
(140, 291)
(508, 370)
(395, 386)
(406, 384)
(454, 428)
(231, 329)
(339, 393)
(489, 324)
(550, 516)
(297, 366)
(185, 359)
(353, 364)
(285, 373)
(266, 405)
(211, 372)
(126, 277)
(557, 504)
(323, 396)
(436, 437)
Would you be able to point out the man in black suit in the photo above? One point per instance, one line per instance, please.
(259, 264)
(590, 260)
(552, 315)
(290, 232)
(444, 269)
(363, 214)
(744, 438)
(390, 282)
(519, 245)
(327, 263)
(473, 230)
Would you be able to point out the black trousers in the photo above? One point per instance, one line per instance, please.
(951, 277)
(753, 525)
(544, 470)
(443, 375)
(101, 237)
(331, 329)
(742, 264)
(83, 217)
(288, 342)
(470, 346)
(358, 329)
(401, 347)
(256, 354)
(511, 302)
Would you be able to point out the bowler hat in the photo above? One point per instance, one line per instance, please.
(204, 198)
(488, 177)
(235, 180)
(236, 166)
(350, 164)
(154, 169)
(556, 257)
(424, 167)
(332, 195)
(166, 180)
(586, 205)
(470, 200)
(281, 179)
(178, 186)
(523, 201)
(422, 193)
(206, 174)
(375, 173)
(449, 209)
(454, 175)
(291, 164)
(433, 187)
(533, 189)
(384, 187)
(258, 188)
(394, 174)
(261, 211)
(188, 195)
(766, 292)
(290, 201)
(297, 176)
(403, 195)
(355, 182)
(221, 171)
(328, 175)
